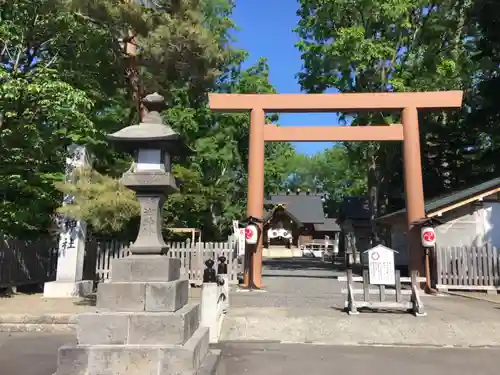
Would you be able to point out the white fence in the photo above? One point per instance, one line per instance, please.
(467, 268)
(192, 255)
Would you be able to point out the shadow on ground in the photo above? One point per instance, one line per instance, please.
(289, 264)
(87, 301)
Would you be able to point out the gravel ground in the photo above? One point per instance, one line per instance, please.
(294, 283)
(303, 304)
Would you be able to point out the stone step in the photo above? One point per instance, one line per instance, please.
(211, 365)
(140, 328)
(142, 296)
(139, 359)
(281, 252)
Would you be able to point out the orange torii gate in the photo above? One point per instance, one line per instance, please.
(407, 131)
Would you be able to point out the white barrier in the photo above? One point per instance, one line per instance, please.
(414, 305)
(214, 303)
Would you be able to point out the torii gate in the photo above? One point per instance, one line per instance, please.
(408, 132)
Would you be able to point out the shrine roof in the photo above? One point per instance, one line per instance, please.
(330, 225)
(453, 200)
(305, 207)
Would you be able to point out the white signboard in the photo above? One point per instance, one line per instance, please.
(241, 241)
(381, 265)
(72, 232)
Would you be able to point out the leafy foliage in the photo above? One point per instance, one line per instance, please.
(99, 200)
(485, 112)
(397, 45)
(66, 78)
(329, 172)
(41, 110)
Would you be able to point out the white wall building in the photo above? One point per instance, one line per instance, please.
(470, 217)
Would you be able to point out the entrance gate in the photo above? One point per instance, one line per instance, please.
(407, 131)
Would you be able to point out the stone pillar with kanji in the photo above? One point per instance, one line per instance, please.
(71, 251)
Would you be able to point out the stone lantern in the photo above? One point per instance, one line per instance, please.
(153, 143)
(144, 323)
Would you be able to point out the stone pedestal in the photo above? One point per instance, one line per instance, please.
(70, 260)
(144, 325)
(68, 289)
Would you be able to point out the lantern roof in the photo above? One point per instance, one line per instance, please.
(152, 132)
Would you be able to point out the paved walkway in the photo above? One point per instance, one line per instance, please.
(36, 354)
(33, 312)
(294, 283)
(36, 304)
(303, 304)
(481, 296)
(275, 359)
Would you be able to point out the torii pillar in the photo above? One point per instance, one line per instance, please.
(255, 203)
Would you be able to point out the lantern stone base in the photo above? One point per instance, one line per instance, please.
(146, 268)
(143, 325)
(154, 249)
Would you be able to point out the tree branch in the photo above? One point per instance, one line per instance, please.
(15, 67)
(87, 18)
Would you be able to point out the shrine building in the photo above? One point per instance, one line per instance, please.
(293, 219)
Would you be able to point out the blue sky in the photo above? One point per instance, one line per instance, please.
(266, 31)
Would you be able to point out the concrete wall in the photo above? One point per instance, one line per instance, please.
(462, 227)
(471, 226)
(491, 220)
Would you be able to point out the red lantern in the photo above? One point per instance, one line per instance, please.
(428, 237)
(251, 234)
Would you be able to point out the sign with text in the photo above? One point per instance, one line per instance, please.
(241, 241)
(73, 232)
(381, 265)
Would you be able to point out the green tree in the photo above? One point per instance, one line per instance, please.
(215, 177)
(329, 172)
(51, 86)
(396, 45)
(485, 112)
